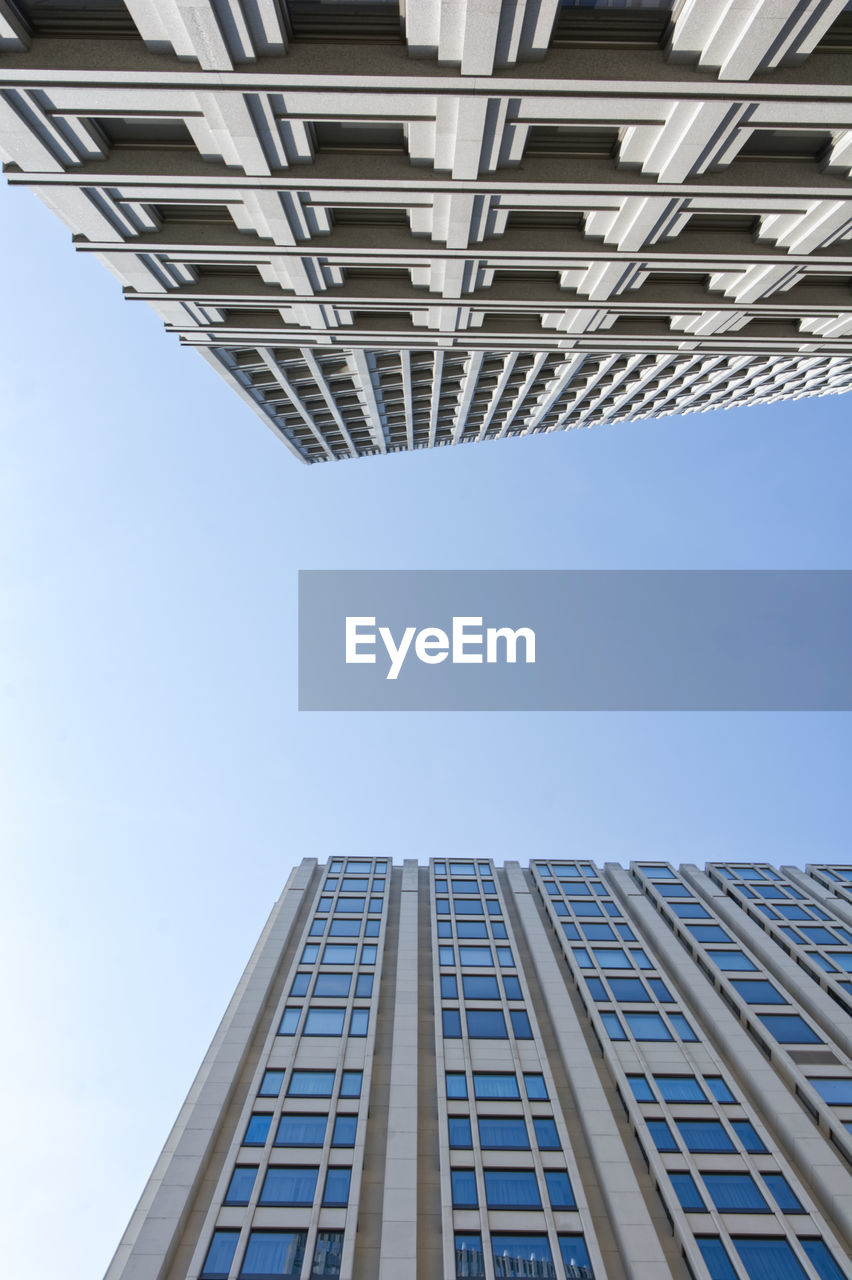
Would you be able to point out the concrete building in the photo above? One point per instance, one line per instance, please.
(556, 1071)
(412, 223)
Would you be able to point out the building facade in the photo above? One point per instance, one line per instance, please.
(556, 1071)
(412, 223)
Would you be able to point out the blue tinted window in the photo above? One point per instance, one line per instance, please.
(629, 989)
(337, 1186)
(764, 1258)
(640, 1088)
(757, 991)
(311, 1084)
(288, 1184)
(339, 953)
(488, 1084)
(585, 908)
(350, 1085)
(441, 886)
(493, 907)
(486, 1024)
(220, 1255)
(680, 1088)
(459, 1129)
(682, 1027)
(376, 905)
(535, 1086)
(789, 1028)
(640, 959)
(310, 953)
(599, 933)
(462, 869)
(785, 1196)
(708, 933)
(546, 1136)
(821, 1260)
(511, 1189)
(318, 928)
(719, 1089)
(257, 1129)
(364, 986)
(690, 911)
(241, 1185)
(580, 891)
(794, 913)
(456, 1084)
(748, 1136)
(478, 956)
(647, 1026)
(596, 989)
(521, 1256)
(731, 960)
(835, 1090)
(469, 1257)
(662, 1135)
(345, 1128)
(716, 1260)
(354, 884)
(449, 987)
(368, 954)
(372, 928)
(704, 1135)
(582, 958)
(289, 1022)
(512, 987)
(559, 1190)
(471, 929)
(572, 933)
(660, 990)
(270, 1086)
(332, 984)
(451, 1022)
(300, 984)
(327, 1254)
(612, 909)
(464, 1188)
(324, 1022)
(467, 906)
(301, 1131)
(520, 1024)
(446, 955)
(498, 929)
(480, 987)
(359, 1022)
(445, 929)
(352, 906)
(687, 1193)
(823, 962)
(657, 871)
(819, 933)
(503, 1133)
(613, 1026)
(575, 1257)
(735, 1193)
(625, 933)
(674, 891)
(611, 957)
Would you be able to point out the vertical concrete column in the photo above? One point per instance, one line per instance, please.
(398, 1255)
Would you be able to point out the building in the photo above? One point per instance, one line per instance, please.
(411, 223)
(555, 1071)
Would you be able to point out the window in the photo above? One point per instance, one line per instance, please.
(662, 1135)
(289, 1022)
(339, 953)
(704, 1135)
(463, 1182)
(451, 1024)
(324, 1022)
(628, 989)
(572, 933)
(625, 933)
(449, 986)
(368, 954)
(520, 1024)
(680, 1088)
(478, 956)
(465, 886)
(647, 1026)
(472, 929)
(597, 990)
(659, 989)
(785, 1196)
(582, 957)
(241, 1185)
(505, 959)
(731, 960)
(289, 1185)
(611, 957)
(819, 933)
(274, 1253)
(270, 1085)
(716, 1260)
(719, 1089)
(345, 1128)
(511, 1189)
(599, 933)
(301, 1131)
(690, 911)
(318, 928)
(344, 929)
(467, 907)
(446, 955)
(535, 1086)
(613, 1027)
(445, 929)
(789, 1028)
(311, 1084)
(493, 1085)
(640, 1088)
(459, 1130)
(220, 1255)
(546, 1136)
(735, 1193)
(333, 984)
(640, 959)
(821, 1260)
(354, 906)
(708, 933)
(498, 929)
(748, 1136)
(364, 986)
(337, 1186)
(359, 1022)
(836, 1091)
(354, 884)
(486, 1024)
(469, 1259)
(559, 1189)
(300, 984)
(350, 1085)
(575, 1257)
(512, 988)
(757, 991)
(257, 1130)
(310, 953)
(687, 1193)
(462, 869)
(328, 1253)
(503, 1133)
(521, 1256)
(673, 890)
(480, 987)
(456, 1084)
(682, 1027)
(585, 909)
(768, 1259)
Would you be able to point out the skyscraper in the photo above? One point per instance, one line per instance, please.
(415, 223)
(554, 1071)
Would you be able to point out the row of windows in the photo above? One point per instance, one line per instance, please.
(735, 1193)
(317, 1084)
(471, 929)
(581, 890)
(767, 1258)
(354, 884)
(333, 984)
(680, 1089)
(594, 932)
(511, 1189)
(478, 957)
(647, 1026)
(338, 953)
(301, 1130)
(273, 1253)
(522, 1255)
(503, 1133)
(465, 886)
(611, 957)
(350, 905)
(344, 928)
(463, 868)
(480, 986)
(589, 908)
(705, 1136)
(486, 1024)
(468, 907)
(500, 1085)
(748, 873)
(324, 1021)
(632, 989)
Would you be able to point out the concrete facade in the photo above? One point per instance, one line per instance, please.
(411, 223)
(556, 1071)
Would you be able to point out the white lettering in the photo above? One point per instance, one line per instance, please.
(511, 637)
(462, 638)
(354, 638)
(396, 655)
(432, 645)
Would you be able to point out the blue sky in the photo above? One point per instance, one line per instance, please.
(157, 780)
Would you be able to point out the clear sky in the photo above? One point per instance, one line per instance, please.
(157, 780)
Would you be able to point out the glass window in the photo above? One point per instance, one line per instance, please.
(757, 991)
(364, 986)
(310, 953)
(487, 1084)
(794, 913)
(472, 929)
(446, 955)
(640, 959)
(662, 1135)
(449, 986)
(274, 1253)
(768, 1259)
(785, 1196)
(819, 933)
(445, 929)
(442, 886)
(580, 891)
(512, 988)
(597, 990)
(748, 1136)
(289, 1184)
(735, 1193)
(687, 1193)
(359, 1022)
(463, 1183)
(511, 1189)
(478, 956)
(311, 1084)
(368, 954)
(613, 1026)
(451, 1024)
(465, 886)
(520, 1024)
(660, 990)
(629, 989)
(690, 911)
(456, 1084)
(585, 909)
(789, 1028)
(301, 1131)
(559, 1189)
(220, 1255)
(469, 1256)
(611, 957)
(505, 958)
(625, 933)
(318, 928)
(339, 953)
(353, 905)
(640, 1088)
(657, 871)
(480, 987)
(647, 1026)
(332, 984)
(462, 869)
(324, 904)
(459, 1129)
(359, 867)
(572, 933)
(328, 1254)
(822, 961)
(716, 1260)
(708, 933)
(575, 1256)
(289, 1022)
(719, 1089)
(343, 1134)
(704, 1135)
(467, 907)
(673, 890)
(535, 1086)
(835, 1090)
(344, 928)
(507, 1133)
(521, 1256)
(731, 960)
(354, 884)
(270, 1085)
(546, 1136)
(498, 929)
(350, 1084)
(324, 1022)
(376, 905)
(599, 933)
(682, 1027)
(257, 1129)
(300, 984)
(680, 1088)
(440, 868)
(582, 957)
(821, 1260)
(337, 1186)
(486, 1024)
(241, 1185)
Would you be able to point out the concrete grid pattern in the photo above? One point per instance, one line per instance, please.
(407, 224)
